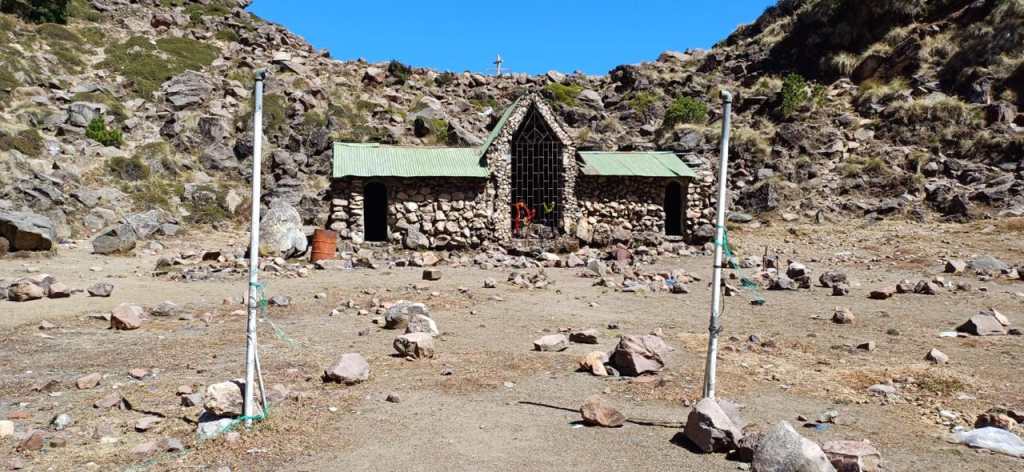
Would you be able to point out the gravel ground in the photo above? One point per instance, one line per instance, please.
(475, 419)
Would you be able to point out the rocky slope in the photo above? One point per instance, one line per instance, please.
(843, 107)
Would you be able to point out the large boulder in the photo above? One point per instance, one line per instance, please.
(126, 317)
(117, 239)
(782, 449)
(281, 232)
(351, 369)
(985, 323)
(710, 428)
(24, 290)
(853, 456)
(151, 222)
(635, 355)
(27, 231)
(597, 411)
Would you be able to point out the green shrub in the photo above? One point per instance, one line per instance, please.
(37, 11)
(82, 10)
(643, 102)
(153, 194)
(445, 79)
(97, 131)
(794, 94)
(438, 129)
(147, 64)
(27, 142)
(940, 110)
(275, 112)
(130, 169)
(687, 110)
(564, 94)
(399, 71)
(227, 35)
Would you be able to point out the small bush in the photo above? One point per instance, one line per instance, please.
(82, 10)
(794, 94)
(275, 112)
(37, 11)
(27, 142)
(564, 94)
(153, 194)
(686, 110)
(227, 35)
(129, 169)
(843, 63)
(445, 79)
(439, 129)
(643, 102)
(943, 110)
(400, 72)
(97, 131)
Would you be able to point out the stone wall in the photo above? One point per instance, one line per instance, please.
(635, 204)
(422, 213)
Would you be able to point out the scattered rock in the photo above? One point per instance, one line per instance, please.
(831, 279)
(432, 274)
(883, 293)
(102, 289)
(27, 231)
(985, 323)
(422, 324)
(597, 411)
(33, 442)
(955, 266)
(399, 314)
(393, 398)
(117, 239)
(843, 315)
(147, 423)
(782, 449)
(594, 363)
(936, 356)
(416, 345)
(126, 317)
(636, 355)
(86, 382)
(551, 343)
(62, 421)
(853, 456)
(588, 336)
(6, 428)
(710, 429)
(350, 369)
(225, 399)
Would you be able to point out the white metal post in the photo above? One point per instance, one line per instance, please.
(254, 250)
(715, 326)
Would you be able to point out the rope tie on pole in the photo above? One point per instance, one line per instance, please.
(730, 258)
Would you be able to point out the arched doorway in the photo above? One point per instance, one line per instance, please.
(375, 211)
(538, 178)
(674, 209)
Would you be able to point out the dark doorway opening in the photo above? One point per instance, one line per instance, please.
(375, 211)
(674, 209)
(537, 178)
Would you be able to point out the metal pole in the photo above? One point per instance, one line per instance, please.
(254, 250)
(715, 326)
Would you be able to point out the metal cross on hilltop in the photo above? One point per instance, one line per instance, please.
(497, 63)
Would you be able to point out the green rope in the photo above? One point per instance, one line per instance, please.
(745, 282)
(262, 303)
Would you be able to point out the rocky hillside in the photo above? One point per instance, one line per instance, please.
(844, 108)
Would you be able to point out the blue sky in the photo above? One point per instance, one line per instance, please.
(532, 36)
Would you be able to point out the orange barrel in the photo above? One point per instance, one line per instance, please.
(325, 245)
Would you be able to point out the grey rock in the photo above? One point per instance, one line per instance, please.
(710, 429)
(853, 456)
(27, 231)
(399, 314)
(350, 369)
(588, 336)
(832, 278)
(782, 449)
(187, 89)
(126, 317)
(551, 343)
(116, 239)
(416, 345)
(987, 263)
(636, 355)
(985, 323)
(102, 289)
(224, 399)
(281, 232)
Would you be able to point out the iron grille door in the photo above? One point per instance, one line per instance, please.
(537, 178)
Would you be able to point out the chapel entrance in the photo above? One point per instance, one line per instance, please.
(674, 209)
(538, 179)
(375, 211)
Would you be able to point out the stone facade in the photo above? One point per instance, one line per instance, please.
(452, 213)
(448, 212)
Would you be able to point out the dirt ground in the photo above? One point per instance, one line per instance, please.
(474, 419)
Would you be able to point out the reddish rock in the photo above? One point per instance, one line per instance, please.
(86, 382)
(597, 411)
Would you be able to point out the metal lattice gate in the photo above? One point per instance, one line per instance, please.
(537, 179)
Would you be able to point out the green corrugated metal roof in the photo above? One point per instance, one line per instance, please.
(638, 164)
(375, 160)
(499, 125)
